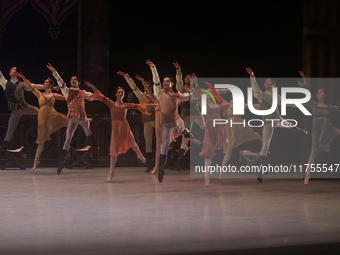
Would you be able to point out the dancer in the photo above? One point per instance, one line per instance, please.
(150, 122)
(76, 112)
(49, 120)
(265, 101)
(122, 138)
(14, 92)
(190, 112)
(168, 102)
(322, 130)
(214, 137)
(236, 134)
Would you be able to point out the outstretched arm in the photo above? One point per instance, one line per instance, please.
(179, 77)
(99, 96)
(28, 85)
(256, 89)
(64, 89)
(132, 85)
(147, 88)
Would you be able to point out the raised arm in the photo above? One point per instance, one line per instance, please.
(132, 85)
(155, 78)
(179, 77)
(256, 89)
(64, 89)
(3, 81)
(147, 88)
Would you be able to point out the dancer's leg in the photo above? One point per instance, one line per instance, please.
(113, 161)
(37, 156)
(168, 129)
(268, 131)
(311, 160)
(148, 135)
(225, 161)
(71, 128)
(185, 140)
(139, 153)
(12, 124)
(207, 162)
(159, 134)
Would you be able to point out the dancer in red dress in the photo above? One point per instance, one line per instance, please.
(122, 138)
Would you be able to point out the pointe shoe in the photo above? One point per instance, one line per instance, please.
(141, 157)
(206, 179)
(111, 174)
(36, 163)
(155, 170)
(306, 180)
(220, 177)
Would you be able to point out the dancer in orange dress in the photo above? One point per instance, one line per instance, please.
(122, 138)
(49, 120)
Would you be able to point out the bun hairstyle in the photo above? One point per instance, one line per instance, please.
(118, 89)
(51, 81)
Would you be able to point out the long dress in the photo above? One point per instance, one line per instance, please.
(49, 120)
(122, 138)
(214, 137)
(323, 131)
(237, 134)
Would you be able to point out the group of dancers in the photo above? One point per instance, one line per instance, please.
(159, 107)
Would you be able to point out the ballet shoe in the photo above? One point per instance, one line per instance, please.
(141, 157)
(306, 180)
(206, 179)
(206, 182)
(220, 177)
(259, 177)
(109, 178)
(36, 163)
(155, 170)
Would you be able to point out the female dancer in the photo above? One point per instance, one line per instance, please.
(214, 137)
(49, 120)
(236, 134)
(322, 130)
(122, 138)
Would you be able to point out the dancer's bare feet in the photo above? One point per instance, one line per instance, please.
(111, 174)
(36, 163)
(141, 157)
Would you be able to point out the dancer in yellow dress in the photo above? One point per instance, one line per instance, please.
(49, 120)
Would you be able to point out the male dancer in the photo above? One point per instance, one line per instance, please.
(14, 91)
(148, 121)
(168, 102)
(76, 111)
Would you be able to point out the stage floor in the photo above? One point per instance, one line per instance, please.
(78, 212)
